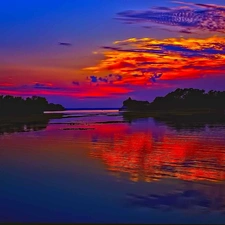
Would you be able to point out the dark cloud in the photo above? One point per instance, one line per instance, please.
(147, 27)
(111, 48)
(137, 75)
(42, 86)
(160, 51)
(155, 76)
(76, 83)
(162, 8)
(192, 17)
(119, 77)
(187, 31)
(164, 49)
(37, 86)
(65, 44)
(94, 79)
(107, 79)
(151, 63)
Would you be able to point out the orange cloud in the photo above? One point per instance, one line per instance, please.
(177, 58)
(126, 66)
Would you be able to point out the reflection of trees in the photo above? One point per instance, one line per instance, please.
(194, 123)
(185, 156)
(22, 124)
(23, 127)
(180, 124)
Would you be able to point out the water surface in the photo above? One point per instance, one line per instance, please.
(94, 166)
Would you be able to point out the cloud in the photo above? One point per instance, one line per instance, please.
(136, 60)
(43, 86)
(65, 44)
(191, 17)
(32, 86)
(119, 77)
(81, 92)
(103, 91)
(94, 79)
(104, 80)
(187, 31)
(76, 83)
(155, 76)
(109, 79)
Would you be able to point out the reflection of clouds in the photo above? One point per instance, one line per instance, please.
(144, 155)
(192, 17)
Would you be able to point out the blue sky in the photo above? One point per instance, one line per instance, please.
(30, 50)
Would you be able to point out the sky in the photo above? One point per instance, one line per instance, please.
(97, 53)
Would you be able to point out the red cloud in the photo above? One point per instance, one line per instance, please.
(85, 91)
(177, 58)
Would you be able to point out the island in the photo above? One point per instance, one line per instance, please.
(18, 111)
(180, 104)
(10, 105)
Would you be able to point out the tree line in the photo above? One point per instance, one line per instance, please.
(187, 98)
(10, 105)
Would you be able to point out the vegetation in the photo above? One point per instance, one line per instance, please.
(182, 108)
(181, 100)
(10, 105)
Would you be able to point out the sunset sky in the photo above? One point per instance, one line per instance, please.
(97, 53)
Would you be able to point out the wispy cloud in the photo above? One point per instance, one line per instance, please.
(65, 44)
(190, 17)
(34, 86)
(81, 91)
(43, 86)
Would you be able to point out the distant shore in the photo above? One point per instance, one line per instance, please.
(179, 104)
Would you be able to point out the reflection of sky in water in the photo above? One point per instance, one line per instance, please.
(155, 153)
(88, 116)
(189, 200)
(139, 172)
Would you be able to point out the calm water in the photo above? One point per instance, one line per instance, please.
(96, 167)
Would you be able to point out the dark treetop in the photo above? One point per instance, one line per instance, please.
(181, 99)
(10, 105)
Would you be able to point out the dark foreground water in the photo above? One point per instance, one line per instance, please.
(96, 167)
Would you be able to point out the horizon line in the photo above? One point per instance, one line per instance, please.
(68, 108)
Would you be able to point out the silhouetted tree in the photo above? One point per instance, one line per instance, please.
(10, 105)
(187, 98)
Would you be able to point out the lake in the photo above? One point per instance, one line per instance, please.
(97, 167)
